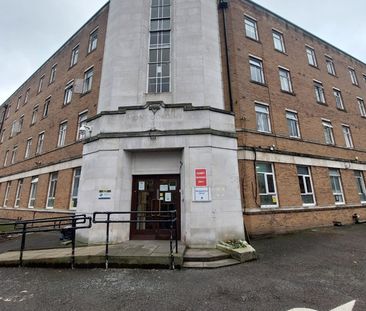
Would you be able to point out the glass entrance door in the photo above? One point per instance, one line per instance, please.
(158, 194)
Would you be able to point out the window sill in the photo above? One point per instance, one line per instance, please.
(259, 83)
(85, 93)
(321, 103)
(252, 39)
(72, 66)
(357, 85)
(315, 67)
(65, 105)
(335, 76)
(340, 109)
(364, 117)
(281, 52)
(289, 93)
(90, 52)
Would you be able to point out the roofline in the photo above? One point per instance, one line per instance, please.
(302, 29)
(58, 50)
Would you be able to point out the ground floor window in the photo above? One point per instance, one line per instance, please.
(336, 183)
(306, 185)
(33, 192)
(266, 184)
(360, 186)
(52, 190)
(7, 191)
(18, 193)
(75, 188)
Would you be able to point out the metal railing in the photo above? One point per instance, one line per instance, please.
(73, 223)
(105, 218)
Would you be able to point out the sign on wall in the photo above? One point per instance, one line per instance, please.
(104, 194)
(201, 177)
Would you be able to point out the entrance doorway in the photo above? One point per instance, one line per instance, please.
(157, 193)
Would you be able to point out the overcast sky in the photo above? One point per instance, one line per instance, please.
(32, 30)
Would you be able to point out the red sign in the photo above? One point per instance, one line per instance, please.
(201, 177)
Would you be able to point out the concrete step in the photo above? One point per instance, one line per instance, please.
(210, 264)
(204, 255)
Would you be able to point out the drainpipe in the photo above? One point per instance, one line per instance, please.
(223, 6)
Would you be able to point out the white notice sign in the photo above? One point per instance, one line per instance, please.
(141, 185)
(201, 194)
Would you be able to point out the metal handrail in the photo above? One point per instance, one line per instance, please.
(172, 221)
(73, 223)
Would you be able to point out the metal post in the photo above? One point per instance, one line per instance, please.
(171, 243)
(73, 242)
(176, 232)
(22, 245)
(107, 243)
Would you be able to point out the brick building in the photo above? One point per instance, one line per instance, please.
(254, 117)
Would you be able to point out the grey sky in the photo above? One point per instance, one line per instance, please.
(32, 30)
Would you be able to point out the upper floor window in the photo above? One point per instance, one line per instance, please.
(40, 84)
(328, 132)
(319, 92)
(262, 117)
(8, 112)
(338, 99)
(336, 183)
(361, 106)
(278, 41)
(28, 147)
(330, 66)
(256, 70)
(6, 158)
(18, 102)
(68, 92)
(353, 76)
(293, 124)
(266, 184)
(14, 154)
(364, 77)
(26, 96)
(285, 80)
(40, 143)
(20, 123)
(88, 80)
(360, 181)
(46, 107)
(251, 29)
(347, 136)
(53, 73)
(2, 136)
(62, 134)
(310, 53)
(83, 116)
(74, 56)
(93, 41)
(34, 115)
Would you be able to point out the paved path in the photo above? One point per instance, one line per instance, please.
(318, 270)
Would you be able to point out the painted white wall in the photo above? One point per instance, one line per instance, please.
(196, 61)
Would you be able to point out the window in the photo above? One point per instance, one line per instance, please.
(310, 53)
(262, 116)
(256, 70)
(53, 73)
(361, 106)
(364, 77)
(6, 158)
(278, 41)
(159, 47)
(46, 107)
(319, 92)
(347, 136)
(306, 185)
(8, 112)
(74, 56)
(361, 186)
(33, 192)
(251, 30)
(68, 92)
(83, 116)
(75, 188)
(26, 97)
(14, 154)
(93, 41)
(285, 80)
(20, 124)
(13, 128)
(88, 80)
(338, 98)
(28, 147)
(2, 136)
(328, 133)
(335, 181)
(52, 190)
(6, 196)
(330, 66)
(40, 143)
(18, 102)
(266, 184)
(40, 84)
(352, 73)
(62, 134)
(34, 115)
(293, 124)
(18, 193)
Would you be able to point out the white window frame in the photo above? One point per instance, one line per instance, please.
(353, 75)
(2, 136)
(46, 107)
(75, 55)
(251, 28)
(28, 147)
(34, 115)
(81, 135)
(76, 176)
(18, 102)
(26, 96)
(307, 192)
(280, 41)
(53, 73)
(285, 80)
(293, 116)
(273, 194)
(33, 192)
(14, 154)
(328, 125)
(337, 174)
(51, 193)
(319, 92)
(338, 98)
(360, 181)
(347, 134)
(62, 132)
(93, 40)
(40, 143)
(6, 158)
(18, 193)
(311, 56)
(88, 80)
(361, 106)
(69, 89)
(267, 112)
(330, 65)
(256, 70)
(40, 84)
(6, 195)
